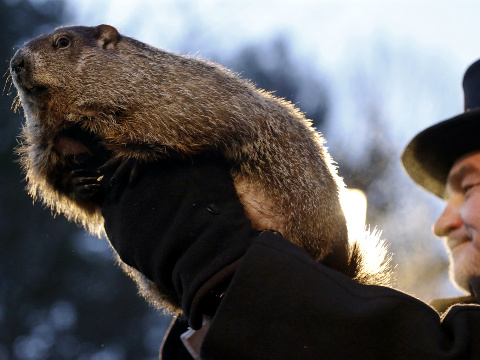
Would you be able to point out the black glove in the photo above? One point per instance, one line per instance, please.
(181, 224)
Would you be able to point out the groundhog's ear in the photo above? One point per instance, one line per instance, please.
(107, 36)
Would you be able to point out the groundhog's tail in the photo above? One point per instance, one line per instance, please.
(370, 262)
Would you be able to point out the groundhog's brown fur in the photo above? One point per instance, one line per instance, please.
(141, 102)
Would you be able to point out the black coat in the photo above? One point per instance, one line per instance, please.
(283, 305)
(279, 304)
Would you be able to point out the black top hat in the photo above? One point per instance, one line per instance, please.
(430, 155)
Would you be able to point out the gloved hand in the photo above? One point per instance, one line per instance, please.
(181, 224)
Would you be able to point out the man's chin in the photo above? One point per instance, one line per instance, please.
(459, 280)
(464, 262)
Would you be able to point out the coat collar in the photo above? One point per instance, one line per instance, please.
(442, 305)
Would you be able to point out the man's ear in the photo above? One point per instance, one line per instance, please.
(107, 36)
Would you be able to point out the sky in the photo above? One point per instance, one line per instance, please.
(325, 27)
(409, 56)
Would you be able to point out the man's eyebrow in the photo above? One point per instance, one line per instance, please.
(455, 177)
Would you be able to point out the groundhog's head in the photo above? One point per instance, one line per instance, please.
(122, 90)
(63, 95)
(66, 77)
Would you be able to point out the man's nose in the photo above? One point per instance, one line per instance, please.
(448, 220)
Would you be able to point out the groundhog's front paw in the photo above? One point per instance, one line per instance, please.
(120, 169)
(85, 186)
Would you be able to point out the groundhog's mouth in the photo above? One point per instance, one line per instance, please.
(27, 85)
(33, 91)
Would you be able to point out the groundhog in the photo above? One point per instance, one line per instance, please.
(91, 93)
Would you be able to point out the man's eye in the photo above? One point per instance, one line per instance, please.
(468, 188)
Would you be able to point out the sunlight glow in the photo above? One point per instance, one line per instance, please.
(354, 205)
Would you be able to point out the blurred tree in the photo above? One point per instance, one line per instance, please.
(61, 296)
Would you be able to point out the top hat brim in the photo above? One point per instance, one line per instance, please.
(431, 154)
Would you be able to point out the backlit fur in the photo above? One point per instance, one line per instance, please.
(144, 103)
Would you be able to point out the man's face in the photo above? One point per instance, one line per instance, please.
(460, 221)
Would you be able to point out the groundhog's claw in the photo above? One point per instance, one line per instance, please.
(85, 186)
(123, 168)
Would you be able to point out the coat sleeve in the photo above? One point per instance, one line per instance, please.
(282, 305)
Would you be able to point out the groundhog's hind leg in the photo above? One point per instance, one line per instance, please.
(259, 208)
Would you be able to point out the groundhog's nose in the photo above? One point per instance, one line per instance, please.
(17, 64)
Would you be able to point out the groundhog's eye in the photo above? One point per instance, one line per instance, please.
(62, 43)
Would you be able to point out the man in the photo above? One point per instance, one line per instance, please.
(445, 160)
(255, 295)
